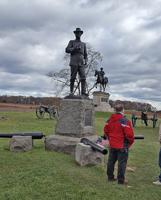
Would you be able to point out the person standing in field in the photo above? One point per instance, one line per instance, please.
(159, 181)
(121, 136)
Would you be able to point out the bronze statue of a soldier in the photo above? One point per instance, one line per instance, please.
(78, 60)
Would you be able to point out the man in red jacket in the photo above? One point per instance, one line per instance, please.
(120, 133)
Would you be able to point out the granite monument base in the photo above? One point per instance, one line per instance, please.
(75, 121)
(76, 118)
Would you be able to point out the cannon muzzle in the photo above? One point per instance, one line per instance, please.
(94, 146)
(138, 137)
(35, 135)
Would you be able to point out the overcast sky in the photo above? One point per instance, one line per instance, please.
(35, 33)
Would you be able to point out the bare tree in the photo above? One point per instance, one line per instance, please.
(61, 79)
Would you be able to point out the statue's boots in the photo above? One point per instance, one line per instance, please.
(71, 87)
(83, 87)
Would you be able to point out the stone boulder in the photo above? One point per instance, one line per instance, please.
(86, 156)
(21, 143)
(64, 144)
(61, 144)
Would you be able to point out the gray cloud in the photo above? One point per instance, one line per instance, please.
(34, 34)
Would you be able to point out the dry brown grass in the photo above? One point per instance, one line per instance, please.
(15, 107)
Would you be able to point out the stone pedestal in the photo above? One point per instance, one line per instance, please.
(85, 156)
(101, 102)
(76, 118)
(21, 143)
(75, 121)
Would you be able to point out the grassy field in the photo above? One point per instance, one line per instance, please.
(45, 175)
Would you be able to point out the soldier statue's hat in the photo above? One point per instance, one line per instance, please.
(78, 30)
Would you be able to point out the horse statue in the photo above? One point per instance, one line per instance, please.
(101, 79)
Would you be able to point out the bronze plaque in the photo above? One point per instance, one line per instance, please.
(104, 99)
(88, 118)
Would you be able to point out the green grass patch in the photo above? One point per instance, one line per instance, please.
(45, 175)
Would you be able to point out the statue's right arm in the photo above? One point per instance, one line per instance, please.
(70, 48)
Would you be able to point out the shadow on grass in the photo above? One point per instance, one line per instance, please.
(7, 149)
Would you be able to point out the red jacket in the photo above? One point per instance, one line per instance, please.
(119, 131)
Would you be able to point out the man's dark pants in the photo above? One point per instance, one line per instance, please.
(160, 164)
(121, 155)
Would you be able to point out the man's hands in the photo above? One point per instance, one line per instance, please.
(85, 61)
(78, 47)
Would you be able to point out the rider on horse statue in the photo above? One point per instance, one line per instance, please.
(101, 79)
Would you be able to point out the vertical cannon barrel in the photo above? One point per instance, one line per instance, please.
(94, 146)
(144, 117)
(35, 135)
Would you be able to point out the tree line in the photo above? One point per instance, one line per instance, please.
(31, 100)
(128, 105)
